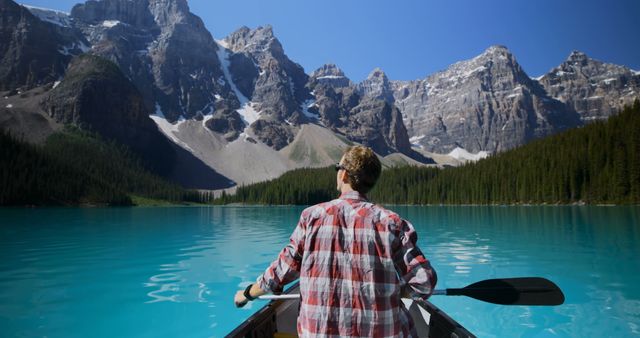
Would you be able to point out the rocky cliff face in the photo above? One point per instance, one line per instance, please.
(33, 52)
(360, 112)
(594, 89)
(273, 84)
(486, 103)
(376, 86)
(86, 97)
(164, 49)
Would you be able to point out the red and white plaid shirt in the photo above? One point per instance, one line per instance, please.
(352, 258)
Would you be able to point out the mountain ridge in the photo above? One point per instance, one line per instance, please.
(206, 95)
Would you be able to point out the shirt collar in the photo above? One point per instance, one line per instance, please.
(353, 195)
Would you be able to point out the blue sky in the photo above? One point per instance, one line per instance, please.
(410, 39)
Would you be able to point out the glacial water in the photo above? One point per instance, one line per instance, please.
(172, 272)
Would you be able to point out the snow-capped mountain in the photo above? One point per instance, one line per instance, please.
(487, 103)
(490, 104)
(240, 107)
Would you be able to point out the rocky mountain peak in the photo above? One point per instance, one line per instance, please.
(134, 12)
(495, 59)
(486, 94)
(379, 74)
(328, 70)
(577, 56)
(258, 43)
(376, 86)
(330, 74)
(497, 50)
(138, 13)
(244, 37)
(593, 88)
(497, 56)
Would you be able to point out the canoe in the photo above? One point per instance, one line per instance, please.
(278, 319)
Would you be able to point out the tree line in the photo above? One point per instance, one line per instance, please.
(596, 163)
(78, 167)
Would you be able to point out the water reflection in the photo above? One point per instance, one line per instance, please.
(231, 248)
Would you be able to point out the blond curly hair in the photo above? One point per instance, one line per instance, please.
(363, 168)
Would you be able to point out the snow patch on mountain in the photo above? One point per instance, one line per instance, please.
(305, 109)
(168, 128)
(463, 155)
(248, 113)
(415, 141)
(110, 23)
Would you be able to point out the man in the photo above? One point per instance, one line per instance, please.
(353, 258)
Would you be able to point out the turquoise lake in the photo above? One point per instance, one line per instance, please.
(172, 272)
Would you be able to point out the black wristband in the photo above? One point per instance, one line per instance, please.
(247, 294)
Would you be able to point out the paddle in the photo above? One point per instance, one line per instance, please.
(503, 291)
(513, 291)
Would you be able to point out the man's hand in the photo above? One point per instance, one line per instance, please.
(240, 299)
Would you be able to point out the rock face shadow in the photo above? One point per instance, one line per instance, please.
(192, 173)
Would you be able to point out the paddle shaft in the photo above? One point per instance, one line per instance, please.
(503, 291)
(296, 296)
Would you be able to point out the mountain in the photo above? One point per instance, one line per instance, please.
(594, 89)
(85, 98)
(164, 49)
(345, 108)
(598, 163)
(376, 86)
(487, 103)
(33, 52)
(270, 84)
(490, 104)
(239, 110)
(239, 102)
(331, 75)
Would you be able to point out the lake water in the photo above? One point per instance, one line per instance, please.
(172, 272)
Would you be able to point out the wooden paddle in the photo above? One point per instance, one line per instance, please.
(503, 291)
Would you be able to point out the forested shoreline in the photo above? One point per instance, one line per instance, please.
(75, 167)
(595, 164)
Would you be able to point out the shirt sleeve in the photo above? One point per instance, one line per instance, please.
(413, 268)
(286, 268)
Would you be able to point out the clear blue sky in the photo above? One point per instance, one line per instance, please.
(410, 39)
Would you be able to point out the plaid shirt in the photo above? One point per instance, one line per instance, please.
(352, 258)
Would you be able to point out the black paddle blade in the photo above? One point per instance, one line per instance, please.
(513, 291)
